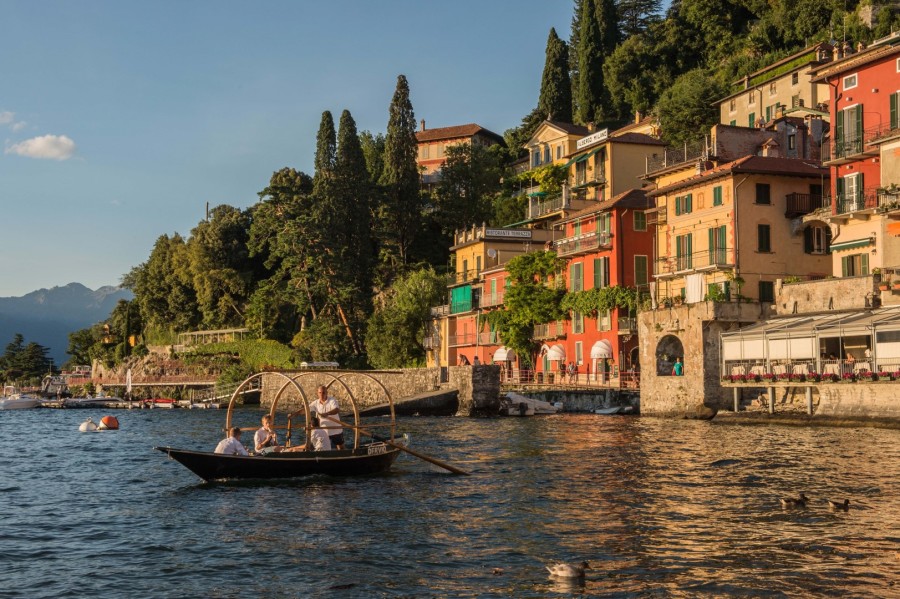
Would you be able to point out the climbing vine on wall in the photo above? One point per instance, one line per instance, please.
(592, 301)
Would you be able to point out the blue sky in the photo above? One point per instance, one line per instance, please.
(121, 120)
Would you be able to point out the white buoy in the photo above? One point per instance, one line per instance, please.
(88, 426)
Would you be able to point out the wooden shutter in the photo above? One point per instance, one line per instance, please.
(838, 132)
(863, 264)
(894, 98)
(690, 250)
(808, 240)
(677, 205)
(859, 128)
(712, 244)
(690, 203)
(640, 270)
(844, 264)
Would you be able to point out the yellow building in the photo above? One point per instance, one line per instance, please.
(783, 88)
(736, 228)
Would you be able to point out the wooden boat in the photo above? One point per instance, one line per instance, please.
(371, 458)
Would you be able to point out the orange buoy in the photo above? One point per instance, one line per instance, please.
(110, 423)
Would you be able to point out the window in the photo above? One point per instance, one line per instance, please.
(816, 239)
(601, 273)
(640, 221)
(766, 291)
(796, 101)
(536, 158)
(763, 193)
(717, 245)
(604, 320)
(848, 130)
(684, 204)
(580, 173)
(795, 78)
(773, 89)
(477, 265)
(850, 82)
(579, 353)
(732, 106)
(425, 152)
(558, 152)
(576, 277)
(751, 119)
(717, 195)
(641, 274)
(792, 141)
(577, 323)
(763, 238)
(683, 252)
(546, 153)
(850, 195)
(604, 222)
(440, 150)
(855, 265)
(751, 99)
(733, 123)
(465, 270)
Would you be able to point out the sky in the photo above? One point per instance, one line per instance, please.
(122, 120)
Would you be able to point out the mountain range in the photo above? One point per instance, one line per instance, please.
(47, 316)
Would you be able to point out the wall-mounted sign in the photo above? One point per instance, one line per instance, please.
(592, 139)
(516, 233)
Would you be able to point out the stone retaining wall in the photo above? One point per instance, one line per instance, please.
(859, 401)
(588, 401)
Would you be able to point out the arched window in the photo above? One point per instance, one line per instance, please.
(668, 350)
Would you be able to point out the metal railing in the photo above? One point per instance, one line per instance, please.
(861, 199)
(550, 330)
(548, 205)
(465, 276)
(706, 260)
(798, 204)
(627, 326)
(464, 339)
(585, 242)
(855, 145)
(690, 152)
(438, 311)
(492, 299)
(512, 378)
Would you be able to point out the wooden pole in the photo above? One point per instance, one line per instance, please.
(421, 456)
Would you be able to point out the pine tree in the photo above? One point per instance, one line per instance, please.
(556, 87)
(400, 211)
(635, 16)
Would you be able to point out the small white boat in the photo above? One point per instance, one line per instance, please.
(614, 410)
(515, 404)
(12, 400)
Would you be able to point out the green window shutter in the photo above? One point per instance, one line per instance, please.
(678, 252)
(838, 130)
(727, 287)
(690, 203)
(844, 264)
(690, 250)
(894, 98)
(572, 278)
(722, 249)
(859, 125)
(717, 195)
(839, 191)
(860, 187)
(751, 119)
(677, 205)
(596, 273)
(733, 123)
(712, 243)
(864, 264)
(605, 270)
(640, 270)
(808, 240)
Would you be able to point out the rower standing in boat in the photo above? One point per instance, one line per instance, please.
(329, 407)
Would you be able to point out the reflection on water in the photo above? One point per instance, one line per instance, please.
(658, 507)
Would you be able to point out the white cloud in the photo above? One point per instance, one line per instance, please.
(53, 147)
(7, 117)
(18, 126)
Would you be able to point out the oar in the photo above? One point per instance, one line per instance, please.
(421, 456)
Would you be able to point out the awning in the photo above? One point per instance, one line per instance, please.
(581, 158)
(504, 354)
(538, 194)
(893, 229)
(601, 349)
(849, 245)
(556, 353)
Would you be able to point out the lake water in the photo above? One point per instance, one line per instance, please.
(660, 508)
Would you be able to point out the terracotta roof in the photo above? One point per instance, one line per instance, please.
(633, 198)
(636, 138)
(855, 60)
(569, 127)
(455, 132)
(760, 165)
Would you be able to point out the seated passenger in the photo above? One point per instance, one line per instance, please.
(231, 445)
(266, 440)
(318, 438)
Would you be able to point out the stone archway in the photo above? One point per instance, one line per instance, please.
(667, 350)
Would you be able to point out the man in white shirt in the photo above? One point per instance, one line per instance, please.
(328, 406)
(231, 445)
(318, 438)
(266, 440)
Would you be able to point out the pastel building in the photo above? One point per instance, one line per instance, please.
(432, 145)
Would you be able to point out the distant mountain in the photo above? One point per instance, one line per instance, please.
(47, 316)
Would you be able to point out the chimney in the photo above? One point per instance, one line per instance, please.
(422, 123)
(590, 127)
(637, 117)
(836, 52)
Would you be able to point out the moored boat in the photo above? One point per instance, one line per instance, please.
(12, 400)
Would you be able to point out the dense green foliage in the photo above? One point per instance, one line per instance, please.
(23, 363)
(592, 301)
(555, 100)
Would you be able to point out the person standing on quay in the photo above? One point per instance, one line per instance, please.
(327, 407)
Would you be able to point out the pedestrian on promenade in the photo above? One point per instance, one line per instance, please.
(678, 368)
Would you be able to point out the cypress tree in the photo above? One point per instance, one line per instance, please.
(400, 212)
(590, 66)
(556, 87)
(326, 147)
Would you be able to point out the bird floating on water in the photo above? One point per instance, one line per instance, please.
(799, 501)
(844, 505)
(568, 570)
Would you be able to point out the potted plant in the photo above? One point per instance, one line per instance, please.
(896, 284)
(768, 377)
(795, 377)
(885, 376)
(849, 377)
(867, 375)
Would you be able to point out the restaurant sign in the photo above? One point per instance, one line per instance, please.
(509, 233)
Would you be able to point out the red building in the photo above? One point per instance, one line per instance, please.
(606, 245)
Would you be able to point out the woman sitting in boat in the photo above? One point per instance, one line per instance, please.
(266, 440)
(231, 445)
(318, 438)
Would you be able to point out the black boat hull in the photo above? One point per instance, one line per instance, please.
(368, 459)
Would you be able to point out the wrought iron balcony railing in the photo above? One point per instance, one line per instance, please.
(585, 242)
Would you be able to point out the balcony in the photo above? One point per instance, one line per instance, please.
(858, 204)
(464, 276)
(673, 266)
(689, 153)
(583, 243)
(550, 330)
(458, 340)
(657, 216)
(586, 188)
(439, 311)
(489, 300)
(541, 205)
(855, 146)
(628, 326)
(799, 204)
(431, 342)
